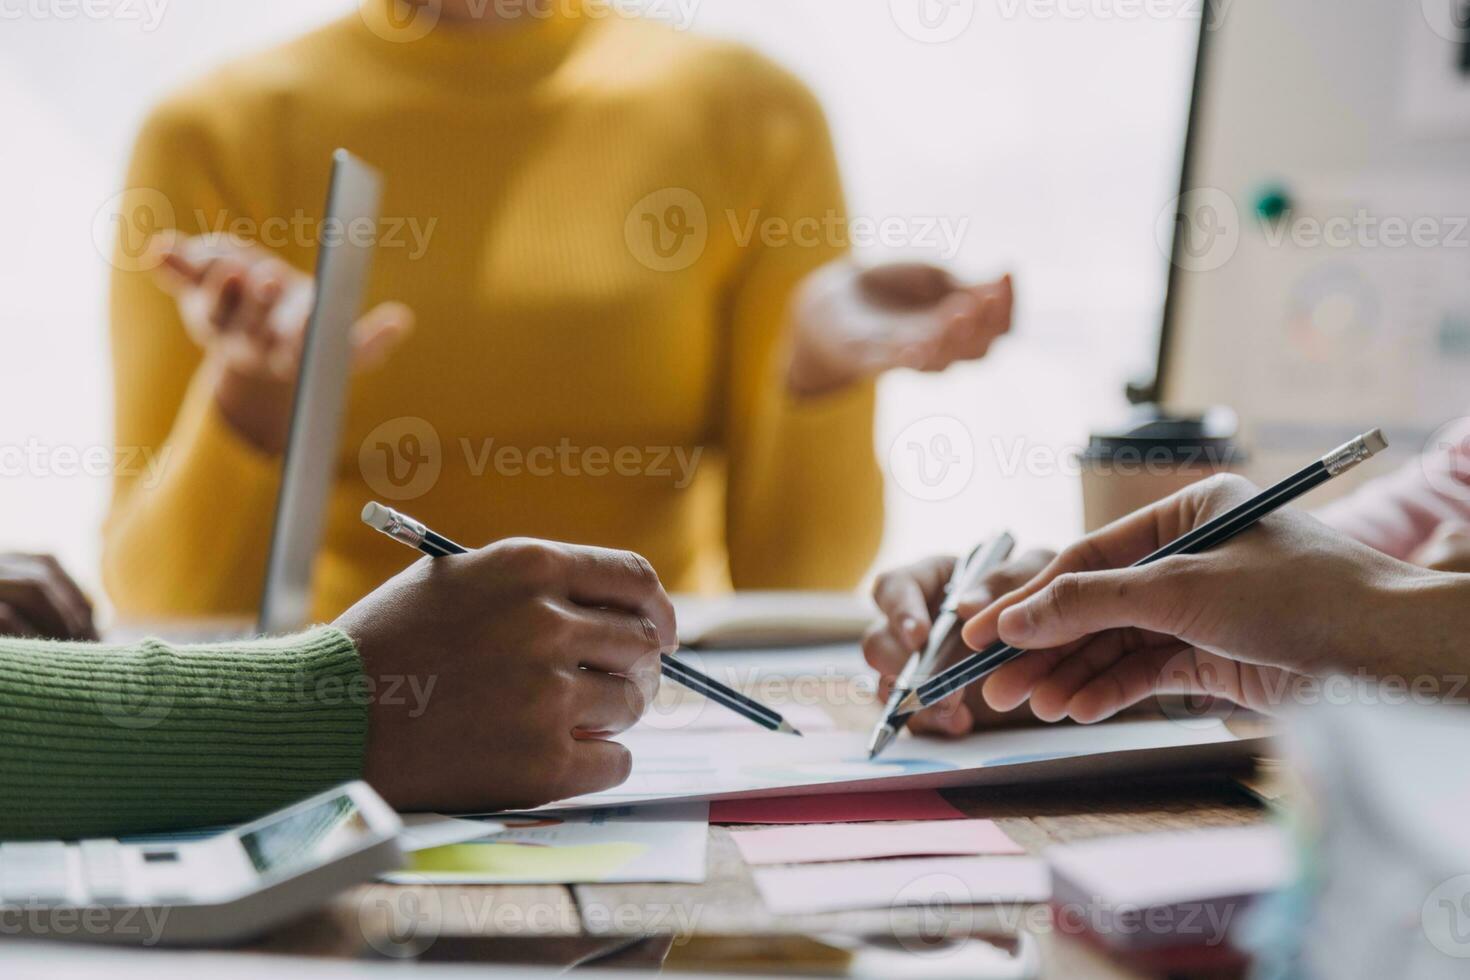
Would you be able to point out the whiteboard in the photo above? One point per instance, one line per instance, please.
(1352, 310)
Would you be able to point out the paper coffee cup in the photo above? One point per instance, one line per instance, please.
(1152, 457)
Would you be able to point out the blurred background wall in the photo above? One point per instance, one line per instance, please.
(1048, 132)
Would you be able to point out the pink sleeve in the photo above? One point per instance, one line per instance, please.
(1397, 513)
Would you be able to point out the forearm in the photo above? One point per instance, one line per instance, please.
(188, 533)
(100, 741)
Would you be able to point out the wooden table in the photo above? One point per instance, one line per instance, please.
(727, 904)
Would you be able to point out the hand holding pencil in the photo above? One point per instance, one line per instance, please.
(414, 534)
(499, 677)
(1243, 620)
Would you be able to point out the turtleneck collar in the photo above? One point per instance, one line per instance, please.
(522, 47)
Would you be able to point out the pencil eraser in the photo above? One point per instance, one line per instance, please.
(375, 515)
(1375, 441)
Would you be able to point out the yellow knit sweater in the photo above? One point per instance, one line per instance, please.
(589, 218)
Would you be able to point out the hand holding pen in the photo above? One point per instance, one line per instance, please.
(944, 640)
(913, 602)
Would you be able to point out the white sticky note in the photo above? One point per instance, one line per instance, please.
(926, 883)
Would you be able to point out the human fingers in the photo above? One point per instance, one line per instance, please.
(604, 577)
(950, 718)
(1013, 575)
(379, 333)
(615, 641)
(222, 290)
(1116, 546)
(606, 705)
(1163, 598)
(1090, 659)
(1010, 686)
(884, 652)
(174, 270)
(259, 292)
(1164, 668)
(905, 284)
(907, 597)
(42, 604)
(1448, 550)
(594, 765)
(972, 320)
(75, 600)
(13, 623)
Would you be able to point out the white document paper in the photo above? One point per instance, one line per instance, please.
(669, 766)
(926, 883)
(422, 831)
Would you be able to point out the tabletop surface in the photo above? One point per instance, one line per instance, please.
(727, 903)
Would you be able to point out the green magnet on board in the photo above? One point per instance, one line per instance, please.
(1272, 202)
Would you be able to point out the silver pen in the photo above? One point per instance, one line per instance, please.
(942, 635)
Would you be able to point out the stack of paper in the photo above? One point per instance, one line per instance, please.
(1151, 891)
(699, 765)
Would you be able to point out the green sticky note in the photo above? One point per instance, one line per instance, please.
(526, 863)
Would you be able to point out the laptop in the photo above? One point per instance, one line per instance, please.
(342, 266)
(343, 262)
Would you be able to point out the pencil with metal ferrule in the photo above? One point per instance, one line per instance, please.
(742, 705)
(415, 534)
(1206, 536)
(943, 636)
(406, 530)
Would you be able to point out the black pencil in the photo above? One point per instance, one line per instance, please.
(1202, 538)
(415, 534)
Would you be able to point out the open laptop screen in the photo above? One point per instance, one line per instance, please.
(343, 261)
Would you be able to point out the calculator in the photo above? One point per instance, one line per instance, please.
(217, 889)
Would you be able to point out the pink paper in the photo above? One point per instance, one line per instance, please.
(858, 842)
(836, 808)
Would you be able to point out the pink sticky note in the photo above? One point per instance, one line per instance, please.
(860, 842)
(836, 808)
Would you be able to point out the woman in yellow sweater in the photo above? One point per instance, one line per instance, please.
(622, 249)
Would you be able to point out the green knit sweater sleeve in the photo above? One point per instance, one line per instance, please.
(100, 740)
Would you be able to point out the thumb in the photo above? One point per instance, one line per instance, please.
(1079, 604)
